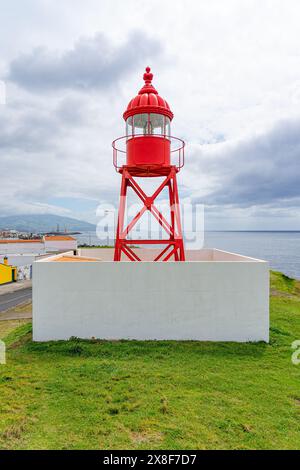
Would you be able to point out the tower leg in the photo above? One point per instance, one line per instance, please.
(121, 215)
(178, 219)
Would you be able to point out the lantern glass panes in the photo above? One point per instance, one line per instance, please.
(140, 124)
(157, 124)
(167, 126)
(129, 126)
(148, 124)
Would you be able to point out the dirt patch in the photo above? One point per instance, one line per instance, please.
(146, 437)
(297, 401)
(14, 433)
(7, 326)
(21, 341)
(287, 295)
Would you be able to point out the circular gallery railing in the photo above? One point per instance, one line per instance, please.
(120, 149)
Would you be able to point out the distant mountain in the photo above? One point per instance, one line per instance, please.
(44, 223)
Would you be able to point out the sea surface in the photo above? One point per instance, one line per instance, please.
(281, 249)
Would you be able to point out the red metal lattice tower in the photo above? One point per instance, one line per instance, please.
(149, 151)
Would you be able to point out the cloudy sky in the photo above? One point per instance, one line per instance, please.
(230, 71)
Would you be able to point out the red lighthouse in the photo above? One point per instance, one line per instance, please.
(149, 152)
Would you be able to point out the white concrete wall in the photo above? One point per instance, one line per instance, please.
(23, 260)
(19, 260)
(20, 248)
(205, 300)
(36, 248)
(60, 245)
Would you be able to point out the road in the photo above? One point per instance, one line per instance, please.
(14, 298)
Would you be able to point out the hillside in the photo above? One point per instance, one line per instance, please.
(43, 223)
(154, 395)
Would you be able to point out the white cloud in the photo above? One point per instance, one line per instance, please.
(230, 71)
(257, 169)
(91, 64)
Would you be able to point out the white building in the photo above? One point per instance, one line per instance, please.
(23, 252)
(21, 247)
(55, 243)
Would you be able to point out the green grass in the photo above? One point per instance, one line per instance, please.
(7, 326)
(158, 395)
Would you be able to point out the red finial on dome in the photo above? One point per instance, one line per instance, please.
(148, 87)
(148, 76)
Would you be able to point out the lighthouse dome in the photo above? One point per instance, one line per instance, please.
(148, 100)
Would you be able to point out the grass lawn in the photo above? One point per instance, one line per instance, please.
(157, 395)
(5, 328)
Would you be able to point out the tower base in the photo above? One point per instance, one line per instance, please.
(173, 245)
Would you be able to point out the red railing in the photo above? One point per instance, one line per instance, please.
(119, 147)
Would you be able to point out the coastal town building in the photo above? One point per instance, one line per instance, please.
(21, 253)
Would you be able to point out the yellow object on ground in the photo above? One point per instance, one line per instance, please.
(7, 273)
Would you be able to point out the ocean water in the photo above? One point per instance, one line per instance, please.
(281, 249)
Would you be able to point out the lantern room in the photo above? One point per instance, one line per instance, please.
(148, 141)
